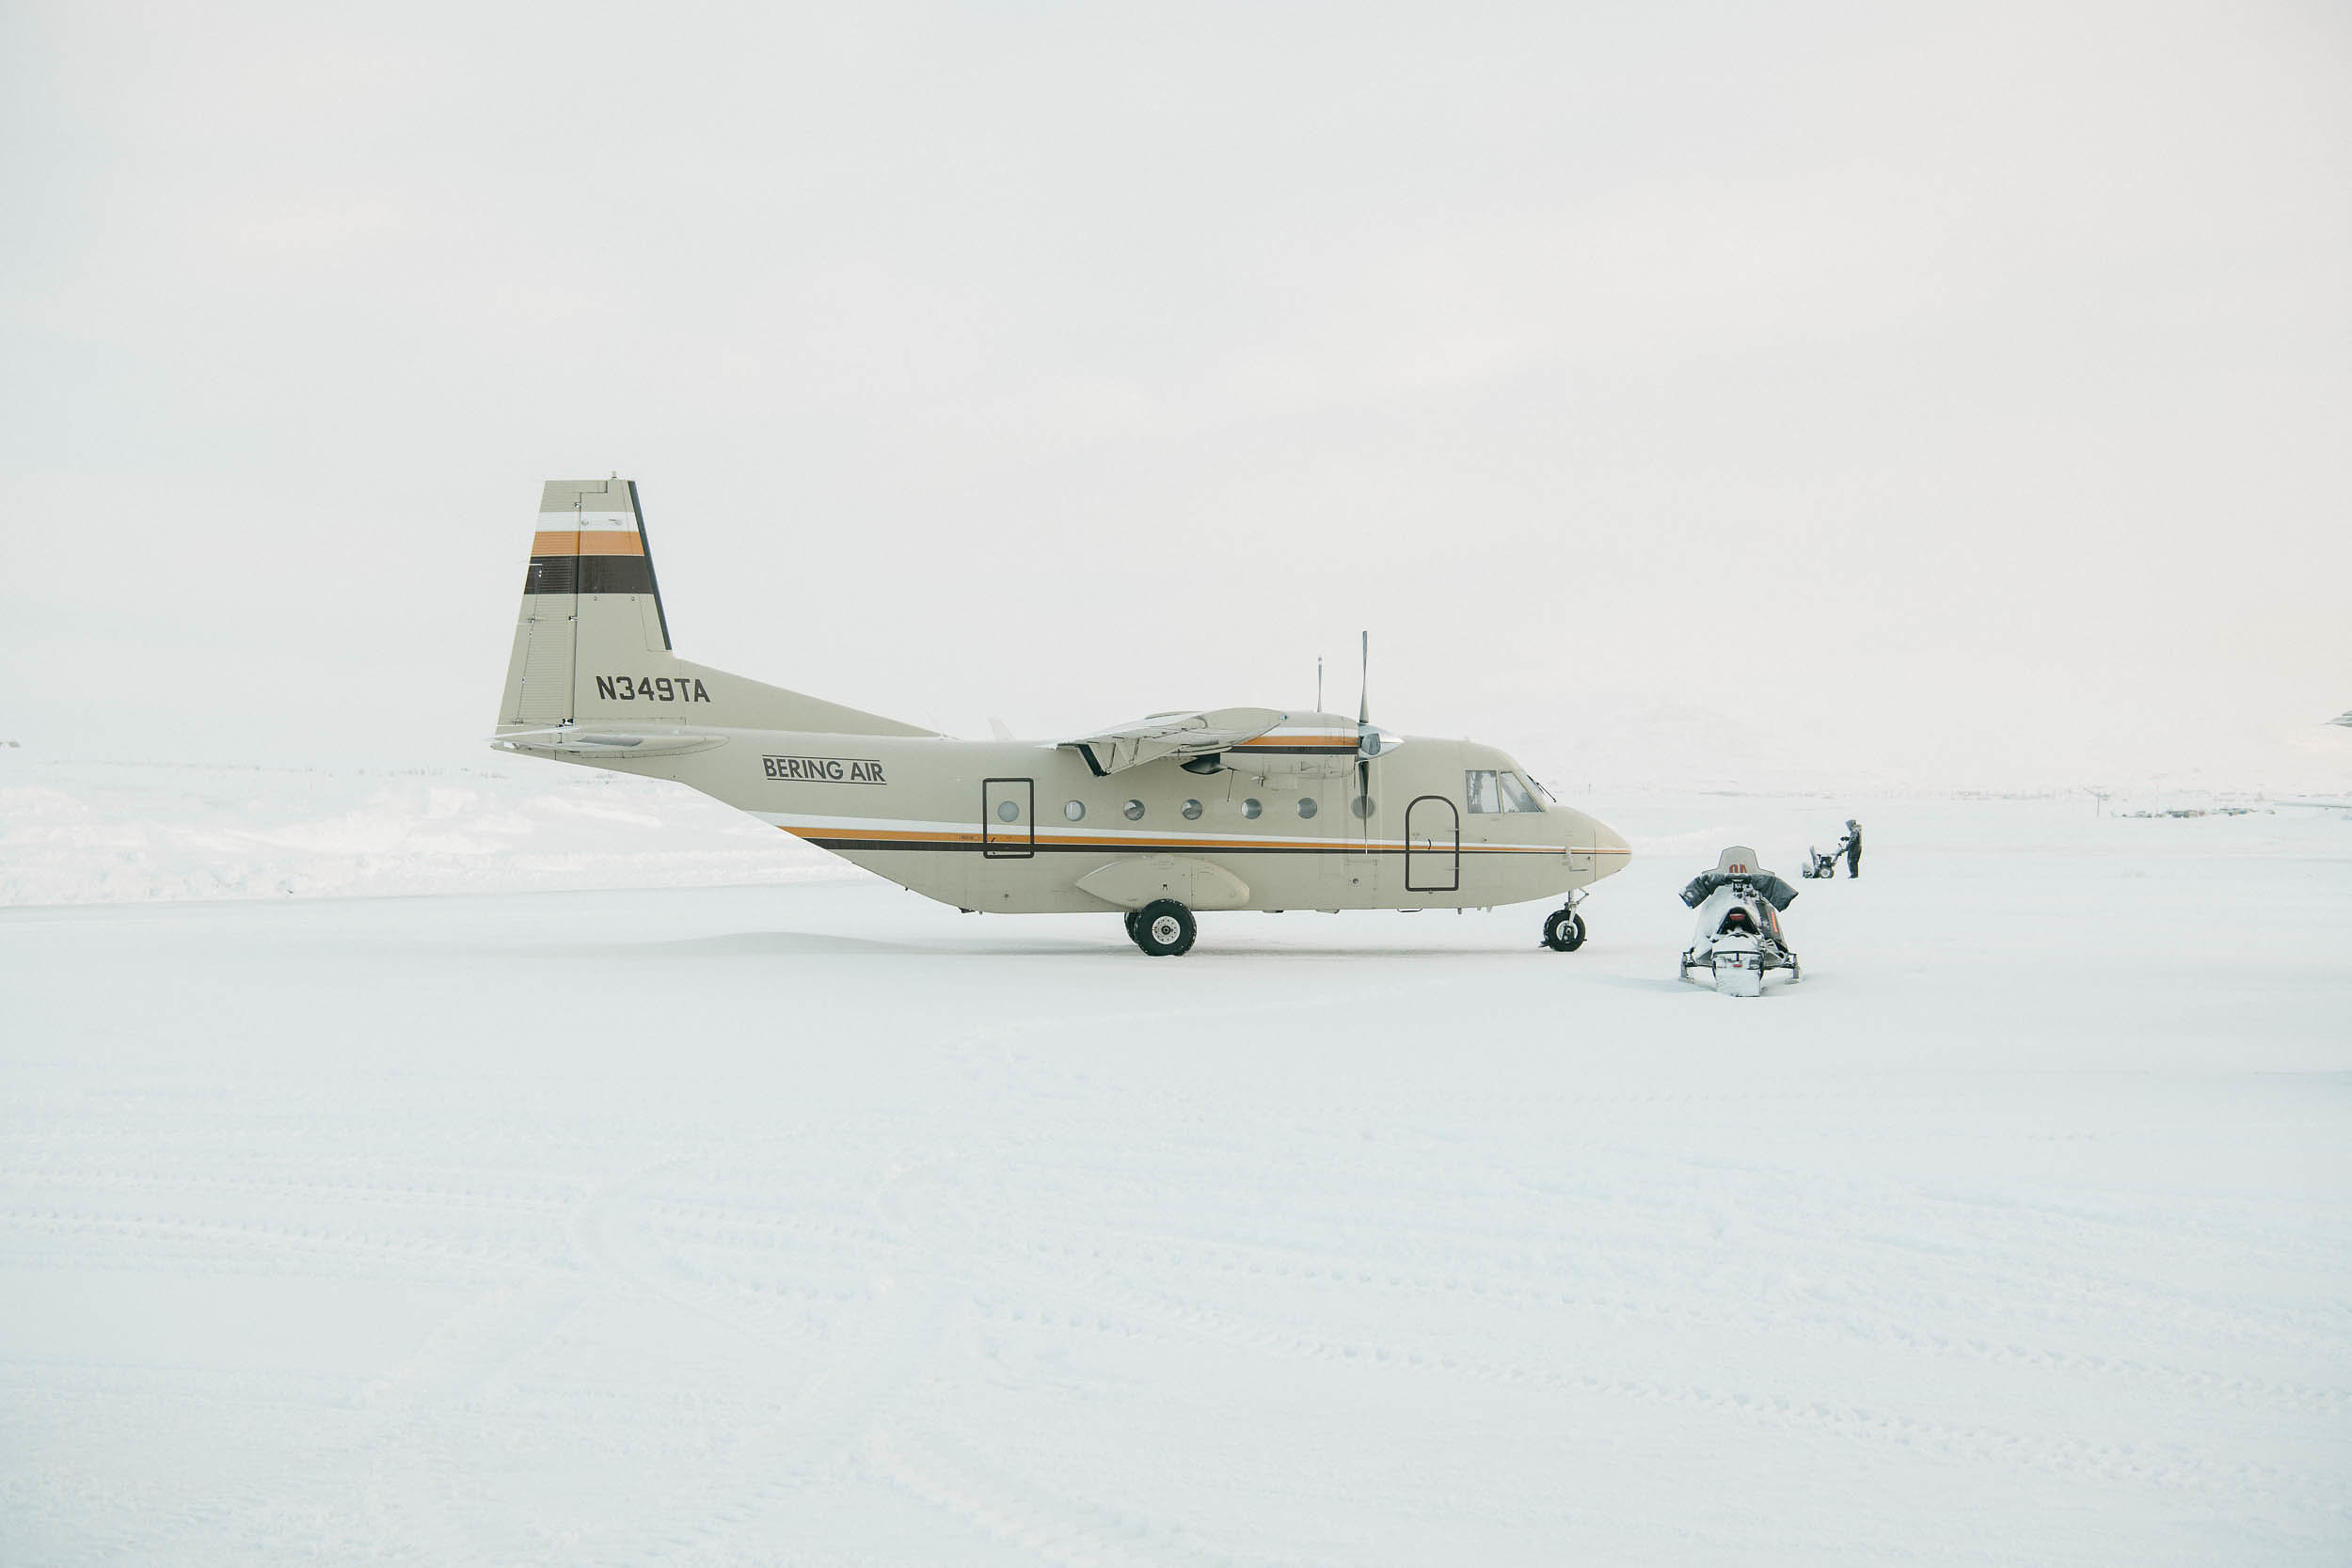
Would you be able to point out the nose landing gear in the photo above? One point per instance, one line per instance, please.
(1563, 928)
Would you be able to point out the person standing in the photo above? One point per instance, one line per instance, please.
(1852, 844)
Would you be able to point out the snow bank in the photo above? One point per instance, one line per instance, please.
(135, 833)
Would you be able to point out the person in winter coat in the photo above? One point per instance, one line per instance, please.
(1851, 846)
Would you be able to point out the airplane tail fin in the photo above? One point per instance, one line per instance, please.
(591, 646)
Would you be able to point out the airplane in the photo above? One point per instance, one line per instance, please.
(1238, 808)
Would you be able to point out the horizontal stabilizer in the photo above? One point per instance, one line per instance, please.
(569, 741)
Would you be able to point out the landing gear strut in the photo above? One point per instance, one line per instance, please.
(1563, 928)
(1163, 928)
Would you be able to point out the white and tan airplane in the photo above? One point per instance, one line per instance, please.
(1243, 808)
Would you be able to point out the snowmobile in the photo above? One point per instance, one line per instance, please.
(1738, 936)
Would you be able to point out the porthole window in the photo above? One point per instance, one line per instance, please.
(1074, 810)
(1192, 811)
(1250, 809)
(1362, 806)
(1133, 810)
(1007, 811)
(1307, 806)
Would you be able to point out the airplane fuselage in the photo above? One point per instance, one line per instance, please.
(1016, 827)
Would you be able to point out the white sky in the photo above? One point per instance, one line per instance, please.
(1909, 395)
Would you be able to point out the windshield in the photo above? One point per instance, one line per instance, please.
(1489, 789)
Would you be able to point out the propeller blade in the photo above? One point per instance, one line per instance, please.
(1363, 703)
(1363, 721)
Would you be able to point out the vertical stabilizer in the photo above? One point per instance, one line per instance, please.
(592, 645)
(589, 598)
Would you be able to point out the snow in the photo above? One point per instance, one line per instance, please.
(815, 1223)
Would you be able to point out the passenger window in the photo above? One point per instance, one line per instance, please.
(1515, 794)
(1074, 810)
(1192, 811)
(1009, 811)
(1250, 809)
(1307, 806)
(1480, 791)
(1133, 810)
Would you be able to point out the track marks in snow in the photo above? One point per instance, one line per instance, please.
(1042, 1529)
(1033, 1253)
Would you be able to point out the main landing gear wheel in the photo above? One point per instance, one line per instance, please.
(1130, 918)
(1163, 928)
(1564, 931)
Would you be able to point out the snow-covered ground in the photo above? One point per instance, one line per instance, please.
(814, 1223)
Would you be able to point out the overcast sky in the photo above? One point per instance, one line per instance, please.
(1897, 393)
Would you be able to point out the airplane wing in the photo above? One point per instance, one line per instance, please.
(1171, 734)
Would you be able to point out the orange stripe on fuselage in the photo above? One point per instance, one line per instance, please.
(1140, 845)
(602, 541)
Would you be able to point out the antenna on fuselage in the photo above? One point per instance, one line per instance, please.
(1318, 683)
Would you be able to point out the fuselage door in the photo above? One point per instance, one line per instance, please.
(1433, 846)
(1008, 818)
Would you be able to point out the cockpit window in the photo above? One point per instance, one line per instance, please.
(1515, 794)
(1487, 789)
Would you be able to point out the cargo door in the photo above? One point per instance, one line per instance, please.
(1433, 846)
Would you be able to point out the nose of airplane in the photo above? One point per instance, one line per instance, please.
(1611, 852)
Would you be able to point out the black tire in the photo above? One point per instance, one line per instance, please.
(1164, 928)
(1564, 931)
(1130, 919)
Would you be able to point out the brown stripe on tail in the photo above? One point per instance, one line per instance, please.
(590, 573)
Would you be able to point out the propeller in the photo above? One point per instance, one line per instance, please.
(1363, 701)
